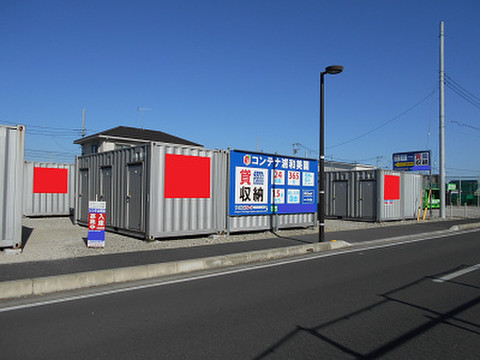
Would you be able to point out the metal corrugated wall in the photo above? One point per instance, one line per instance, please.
(250, 223)
(296, 220)
(269, 222)
(412, 188)
(12, 150)
(389, 209)
(187, 216)
(47, 204)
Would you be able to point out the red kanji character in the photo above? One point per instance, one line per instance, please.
(245, 177)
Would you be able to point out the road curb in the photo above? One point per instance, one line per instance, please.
(465, 226)
(52, 284)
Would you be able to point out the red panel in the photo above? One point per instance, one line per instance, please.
(392, 187)
(49, 180)
(187, 176)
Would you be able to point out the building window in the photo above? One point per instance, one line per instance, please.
(94, 148)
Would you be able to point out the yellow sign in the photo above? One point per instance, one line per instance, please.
(402, 164)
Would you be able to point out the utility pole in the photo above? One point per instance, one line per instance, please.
(442, 123)
(83, 123)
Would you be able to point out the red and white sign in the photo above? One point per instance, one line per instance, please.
(96, 221)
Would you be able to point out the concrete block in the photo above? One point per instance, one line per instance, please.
(257, 256)
(277, 253)
(130, 273)
(162, 269)
(339, 244)
(15, 288)
(234, 259)
(95, 278)
(192, 265)
(300, 249)
(50, 284)
(214, 262)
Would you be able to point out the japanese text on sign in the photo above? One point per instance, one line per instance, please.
(252, 192)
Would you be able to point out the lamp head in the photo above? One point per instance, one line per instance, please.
(334, 69)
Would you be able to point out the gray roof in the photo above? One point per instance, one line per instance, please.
(126, 132)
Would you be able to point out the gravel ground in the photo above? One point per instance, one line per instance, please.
(57, 238)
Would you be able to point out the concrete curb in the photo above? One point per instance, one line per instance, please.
(52, 284)
(465, 226)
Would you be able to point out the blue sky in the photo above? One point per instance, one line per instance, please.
(241, 73)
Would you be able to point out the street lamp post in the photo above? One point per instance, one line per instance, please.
(333, 70)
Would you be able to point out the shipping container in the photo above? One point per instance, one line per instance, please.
(49, 189)
(373, 195)
(155, 190)
(12, 150)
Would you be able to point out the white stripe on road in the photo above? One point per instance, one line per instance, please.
(457, 274)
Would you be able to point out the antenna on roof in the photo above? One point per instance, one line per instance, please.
(142, 109)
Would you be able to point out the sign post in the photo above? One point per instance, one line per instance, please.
(96, 224)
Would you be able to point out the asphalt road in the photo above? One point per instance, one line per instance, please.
(416, 300)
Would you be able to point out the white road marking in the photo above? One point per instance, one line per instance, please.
(231, 271)
(457, 274)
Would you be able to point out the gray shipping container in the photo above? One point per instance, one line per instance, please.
(133, 182)
(51, 202)
(12, 150)
(373, 195)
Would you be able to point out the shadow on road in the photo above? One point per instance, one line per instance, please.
(329, 335)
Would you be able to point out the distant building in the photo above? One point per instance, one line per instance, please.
(123, 136)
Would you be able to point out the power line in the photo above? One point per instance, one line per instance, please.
(42, 127)
(462, 92)
(383, 124)
(463, 124)
(450, 79)
(463, 95)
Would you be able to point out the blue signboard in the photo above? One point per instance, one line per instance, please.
(412, 161)
(264, 184)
